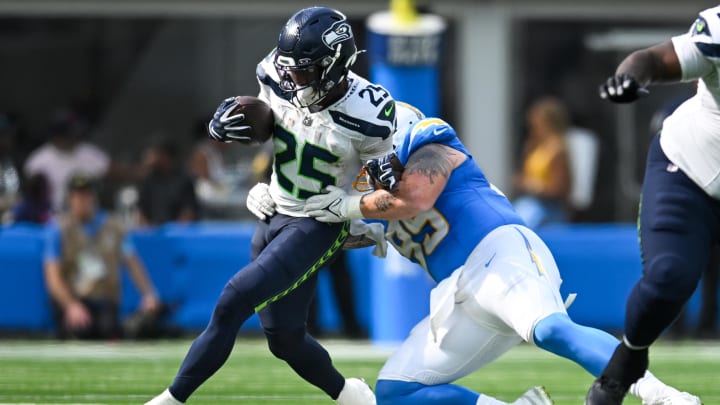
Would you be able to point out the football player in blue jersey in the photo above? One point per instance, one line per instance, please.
(498, 284)
(326, 117)
(679, 212)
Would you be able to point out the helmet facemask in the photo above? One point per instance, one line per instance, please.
(309, 82)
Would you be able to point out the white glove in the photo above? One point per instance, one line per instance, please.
(260, 202)
(333, 206)
(374, 231)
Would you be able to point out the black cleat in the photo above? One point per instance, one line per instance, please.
(605, 392)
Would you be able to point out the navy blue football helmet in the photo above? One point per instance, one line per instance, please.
(315, 50)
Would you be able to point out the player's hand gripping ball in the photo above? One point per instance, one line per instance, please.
(244, 119)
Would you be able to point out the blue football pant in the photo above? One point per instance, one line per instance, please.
(279, 283)
(678, 226)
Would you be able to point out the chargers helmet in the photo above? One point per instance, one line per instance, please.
(384, 172)
(314, 52)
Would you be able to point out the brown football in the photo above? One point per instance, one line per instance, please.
(258, 115)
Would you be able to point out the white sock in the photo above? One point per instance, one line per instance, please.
(487, 400)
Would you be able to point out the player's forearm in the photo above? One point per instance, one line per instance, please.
(140, 277)
(56, 286)
(382, 204)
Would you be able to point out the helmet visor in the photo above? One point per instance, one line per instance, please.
(297, 78)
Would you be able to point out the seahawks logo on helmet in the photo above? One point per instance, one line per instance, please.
(338, 32)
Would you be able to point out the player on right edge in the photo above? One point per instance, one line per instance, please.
(680, 212)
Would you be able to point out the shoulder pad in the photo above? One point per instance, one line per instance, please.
(267, 76)
(429, 130)
(366, 108)
(705, 32)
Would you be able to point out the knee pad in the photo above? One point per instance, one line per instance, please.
(670, 277)
(284, 344)
(394, 392)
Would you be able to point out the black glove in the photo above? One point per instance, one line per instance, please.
(622, 88)
(381, 171)
(226, 126)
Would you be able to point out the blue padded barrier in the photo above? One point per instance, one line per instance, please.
(23, 299)
(600, 263)
(190, 265)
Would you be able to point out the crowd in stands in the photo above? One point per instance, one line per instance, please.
(66, 184)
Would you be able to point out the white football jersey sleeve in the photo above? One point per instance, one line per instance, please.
(691, 135)
(314, 150)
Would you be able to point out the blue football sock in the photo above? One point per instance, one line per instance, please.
(589, 347)
(391, 392)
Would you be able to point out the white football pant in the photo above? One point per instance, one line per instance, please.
(486, 307)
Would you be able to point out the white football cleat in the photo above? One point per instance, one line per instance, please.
(165, 398)
(534, 396)
(674, 397)
(356, 392)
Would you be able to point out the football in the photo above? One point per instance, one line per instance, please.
(258, 115)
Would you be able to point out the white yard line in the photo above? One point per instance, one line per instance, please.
(339, 349)
(346, 350)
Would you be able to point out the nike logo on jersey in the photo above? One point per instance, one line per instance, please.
(389, 110)
(439, 131)
(487, 263)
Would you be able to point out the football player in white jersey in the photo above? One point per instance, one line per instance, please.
(680, 208)
(497, 282)
(326, 117)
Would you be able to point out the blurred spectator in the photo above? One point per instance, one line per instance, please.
(9, 177)
(543, 184)
(83, 255)
(34, 205)
(583, 149)
(218, 182)
(262, 163)
(167, 193)
(65, 154)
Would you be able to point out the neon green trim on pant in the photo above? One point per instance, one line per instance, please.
(344, 232)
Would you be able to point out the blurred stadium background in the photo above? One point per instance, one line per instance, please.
(135, 68)
(140, 66)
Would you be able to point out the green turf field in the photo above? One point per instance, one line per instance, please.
(45, 372)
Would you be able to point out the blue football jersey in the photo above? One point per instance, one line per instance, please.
(469, 207)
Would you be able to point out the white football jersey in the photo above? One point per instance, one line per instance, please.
(691, 135)
(314, 150)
